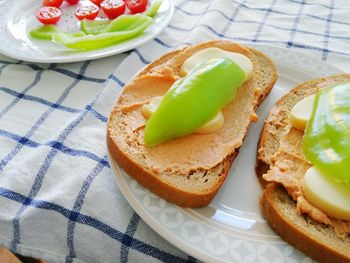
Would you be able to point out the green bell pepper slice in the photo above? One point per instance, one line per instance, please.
(47, 32)
(94, 27)
(121, 23)
(194, 100)
(153, 10)
(44, 32)
(326, 142)
(90, 42)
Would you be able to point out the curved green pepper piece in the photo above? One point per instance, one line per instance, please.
(48, 32)
(194, 100)
(127, 22)
(90, 42)
(94, 27)
(44, 32)
(326, 142)
(152, 11)
(121, 23)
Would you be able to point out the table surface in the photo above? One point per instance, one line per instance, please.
(59, 198)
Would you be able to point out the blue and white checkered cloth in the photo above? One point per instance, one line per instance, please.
(58, 197)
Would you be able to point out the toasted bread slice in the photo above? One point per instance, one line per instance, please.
(315, 240)
(187, 171)
(281, 162)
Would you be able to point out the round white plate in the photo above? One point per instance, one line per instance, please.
(17, 19)
(231, 228)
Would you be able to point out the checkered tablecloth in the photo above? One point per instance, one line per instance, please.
(58, 197)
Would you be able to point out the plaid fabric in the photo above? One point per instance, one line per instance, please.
(58, 197)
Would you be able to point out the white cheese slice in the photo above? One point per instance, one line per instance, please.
(213, 125)
(331, 197)
(301, 112)
(209, 53)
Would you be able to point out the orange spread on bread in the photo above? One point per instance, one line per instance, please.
(289, 168)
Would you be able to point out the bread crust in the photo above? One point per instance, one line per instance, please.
(166, 191)
(291, 226)
(297, 230)
(150, 179)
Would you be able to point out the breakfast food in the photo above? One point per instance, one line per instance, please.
(189, 169)
(305, 172)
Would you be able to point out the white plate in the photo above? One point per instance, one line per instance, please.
(17, 19)
(231, 228)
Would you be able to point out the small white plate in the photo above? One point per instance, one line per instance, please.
(17, 19)
(231, 228)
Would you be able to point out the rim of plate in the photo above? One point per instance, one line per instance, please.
(31, 55)
(296, 60)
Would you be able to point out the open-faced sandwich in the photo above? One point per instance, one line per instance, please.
(178, 125)
(304, 164)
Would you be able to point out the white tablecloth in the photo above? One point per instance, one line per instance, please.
(59, 199)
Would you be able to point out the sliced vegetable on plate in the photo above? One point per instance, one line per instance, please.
(103, 39)
(97, 33)
(87, 12)
(136, 6)
(152, 11)
(72, 2)
(113, 8)
(48, 15)
(44, 32)
(97, 2)
(54, 3)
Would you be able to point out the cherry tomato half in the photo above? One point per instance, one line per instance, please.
(54, 3)
(72, 2)
(48, 15)
(87, 11)
(113, 8)
(136, 6)
(97, 2)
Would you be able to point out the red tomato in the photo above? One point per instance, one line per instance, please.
(55, 3)
(97, 2)
(72, 2)
(48, 15)
(87, 11)
(113, 8)
(136, 6)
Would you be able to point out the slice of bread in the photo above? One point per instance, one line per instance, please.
(281, 162)
(187, 171)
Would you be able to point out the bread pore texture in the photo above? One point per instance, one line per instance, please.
(187, 171)
(281, 166)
